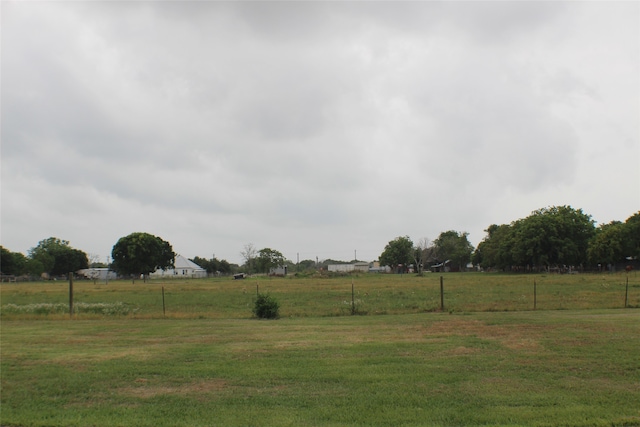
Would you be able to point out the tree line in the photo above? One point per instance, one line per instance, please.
(552, 237)
(557, 237)
(52, 256)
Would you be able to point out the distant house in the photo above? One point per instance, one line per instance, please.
(183, 268)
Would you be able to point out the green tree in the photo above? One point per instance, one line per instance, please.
(213, 265)
(57, 257)
(615, 242)
(140, 254)
(632, 236)
(13, 263)
(557, 235)
(495, 249)
(269, 258)
(454, 246)
(607, 245)
(398, 252)
(307, 264)
(34, 267)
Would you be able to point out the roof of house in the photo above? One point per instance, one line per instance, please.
(184, 263)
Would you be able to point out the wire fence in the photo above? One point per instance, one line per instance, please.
(337, 296)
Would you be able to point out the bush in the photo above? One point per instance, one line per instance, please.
(266, 307)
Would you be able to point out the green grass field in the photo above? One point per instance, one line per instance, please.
(488, 359)
(318, 297)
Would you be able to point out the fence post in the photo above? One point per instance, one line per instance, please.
(441, 293)
(535, 295)
(164, 310)
(71, 295)
(353, 303)
(626, 293)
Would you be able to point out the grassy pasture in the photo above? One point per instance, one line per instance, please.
(317, 297)
(487, 360)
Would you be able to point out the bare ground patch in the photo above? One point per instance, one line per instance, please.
(145, 389)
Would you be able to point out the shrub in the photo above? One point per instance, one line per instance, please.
(266, 307)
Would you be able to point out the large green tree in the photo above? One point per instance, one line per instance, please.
(632, 236)
(607, 245)
(57, 257)
(398, 253)
(454, 246)
(616, 242)
(13, 263)
(269, 258)
(495, 249)
(553, 236)
(140, 254)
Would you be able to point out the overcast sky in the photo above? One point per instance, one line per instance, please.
(312, 128)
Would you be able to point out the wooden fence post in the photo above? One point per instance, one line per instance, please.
(164, 309)
(535, 295)
(441, 293)
(353, 303)
(626, 293)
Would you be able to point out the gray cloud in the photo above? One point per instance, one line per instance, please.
(311, 126)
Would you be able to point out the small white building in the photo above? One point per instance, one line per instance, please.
(347, 268)
(183, 268)
(341, 268)
(98, 273)
(278, 271)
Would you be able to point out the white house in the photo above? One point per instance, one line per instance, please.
(183, 268)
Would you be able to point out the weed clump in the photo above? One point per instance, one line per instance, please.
(266, 307)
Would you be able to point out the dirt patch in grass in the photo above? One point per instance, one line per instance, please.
(462, 351)
(145, 389)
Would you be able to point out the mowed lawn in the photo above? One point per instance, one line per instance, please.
(519, 368)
